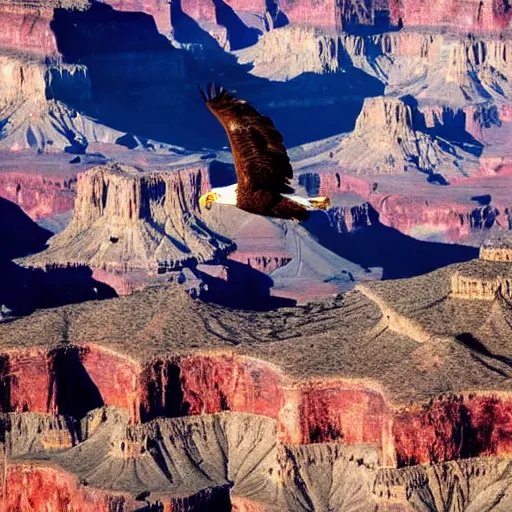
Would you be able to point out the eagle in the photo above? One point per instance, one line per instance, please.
(262, 165)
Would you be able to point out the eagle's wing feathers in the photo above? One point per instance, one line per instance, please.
(259, 153)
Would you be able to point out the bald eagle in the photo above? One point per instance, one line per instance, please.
(262, 165)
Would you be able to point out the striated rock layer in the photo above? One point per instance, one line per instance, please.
(125, 219)
(386, 125)
(457, 350)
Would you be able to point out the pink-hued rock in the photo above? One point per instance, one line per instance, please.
(452, 428)
(264, 261)
(27, 378)
(322, 13)
(38, 487)
(39, 195)
(306, 413)
(470, 15)
(336, 410)
(158, 9)
(204, 10)
(421, 208)
(28, 29)
(120, 384)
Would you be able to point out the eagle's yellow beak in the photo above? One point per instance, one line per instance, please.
(206, 200)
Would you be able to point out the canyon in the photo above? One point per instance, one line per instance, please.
(158, 356)
(330, 409)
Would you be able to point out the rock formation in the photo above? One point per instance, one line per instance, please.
(125, 220)
(282, 421)
(386, 125)
(470, 16)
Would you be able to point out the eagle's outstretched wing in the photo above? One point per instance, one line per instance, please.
(262, 165)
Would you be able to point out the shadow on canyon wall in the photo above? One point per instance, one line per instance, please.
(142, 84)
(450, 126)
(23, 290)
(378, 245)
(239, 34)
(75, 392)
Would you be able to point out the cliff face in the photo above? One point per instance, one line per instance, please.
(386, 125)
(30, 117)
(127, 220)
(24, 28)
(309, 413)
(199, 397)
(447, 69)
(411, 206)
(472, 15)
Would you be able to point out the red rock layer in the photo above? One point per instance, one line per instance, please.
(321, 13)
(204, 10)
(448, 428)
(407, 213)
(43, 488)
(38, 195)
(122, 283)
(306, 413)
(454, 428)
(30, 380)
(469, 15)
(40, 488)
(27, 29)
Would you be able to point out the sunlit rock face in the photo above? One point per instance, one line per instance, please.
(354, 406)
(387, 126)
(127, 220)
(39, 195)
(472, 15)
(25, 28)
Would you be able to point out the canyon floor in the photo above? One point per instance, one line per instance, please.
(156, 356)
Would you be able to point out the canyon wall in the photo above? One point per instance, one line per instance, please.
(468, 16)
(398, 145)
(27, 29)
(157, 9)
(39, 195)
(315, 412)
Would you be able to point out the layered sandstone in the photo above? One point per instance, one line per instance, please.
(39, 195)
(469, 16)
(284, 407)
(439, 70)
(32, 119)
(411, 205)
(235, 451)
(387, 126)
(498, 249)
(125, 219)
(488, 278)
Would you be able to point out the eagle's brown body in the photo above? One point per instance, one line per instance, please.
(262, 165)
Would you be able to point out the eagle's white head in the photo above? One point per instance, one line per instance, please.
(222, 195)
